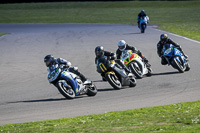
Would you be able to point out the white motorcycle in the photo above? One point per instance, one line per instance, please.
(135, 63)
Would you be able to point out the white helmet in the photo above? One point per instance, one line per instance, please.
(121, 45)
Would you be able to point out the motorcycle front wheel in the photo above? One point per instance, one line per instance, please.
(136, 70)
(143, 28)
(178, 65)
(114, 81)
(66, 91)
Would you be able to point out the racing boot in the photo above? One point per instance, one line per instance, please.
(126, 69)
(146, 61)
(103, 77)
(83, 78)
(143, 58)
(186, 57)
(123, 66)
(75, 70)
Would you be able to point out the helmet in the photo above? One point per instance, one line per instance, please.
(49, 59)
(163, 37)
(143, 11)
(121, 45)
(99, 51)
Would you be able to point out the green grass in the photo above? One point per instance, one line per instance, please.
(181, 17)
(1, 34)
(174, 118)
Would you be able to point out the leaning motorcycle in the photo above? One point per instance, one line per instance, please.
(69, 84)
(114, 73)
(135, 63)
(175, 58)
(143, 23)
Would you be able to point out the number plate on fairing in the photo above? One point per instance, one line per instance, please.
(54, 74)
(168, 51)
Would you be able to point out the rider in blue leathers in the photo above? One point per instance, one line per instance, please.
(141, 14)
(49, 60)
(165, 40)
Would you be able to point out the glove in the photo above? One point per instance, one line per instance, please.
(139, 53)
(75, 68)
(68, 64)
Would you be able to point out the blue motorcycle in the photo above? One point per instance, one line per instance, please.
(175, 58)
(69, 84)
(143, 23)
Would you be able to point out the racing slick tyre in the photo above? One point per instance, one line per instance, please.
(149, 72)
(136, 70)
(187, 67)
(92, 90)
(66, 91)
(132, 82)
(113, 81)
(178, 65)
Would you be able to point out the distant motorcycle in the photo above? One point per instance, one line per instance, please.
(114, 73)
(175, 58)
(135, 63)
(143, 23)
(69, 84)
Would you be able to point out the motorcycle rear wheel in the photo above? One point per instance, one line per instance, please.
(114, 81)
(92, 90)
(187, 67)
(67, 92)
(149, 72)
(132, 82)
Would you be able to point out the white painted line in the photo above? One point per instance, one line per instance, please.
(180, 36)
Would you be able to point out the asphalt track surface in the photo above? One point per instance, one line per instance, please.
(26, 95)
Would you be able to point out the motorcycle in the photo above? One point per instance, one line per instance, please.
(69, 84)
(175, 58)
(135, 63)
(114, 73)
(143, 23)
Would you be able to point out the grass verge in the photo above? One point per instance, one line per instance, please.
(180, 17)
(1, 34)
(180, 117)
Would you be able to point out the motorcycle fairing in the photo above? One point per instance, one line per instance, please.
(172, 52)
(71, 78)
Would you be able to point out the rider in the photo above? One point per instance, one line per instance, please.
(100, 52)
(122, 45)
(141, 14)
(50, 61)
(164, 39)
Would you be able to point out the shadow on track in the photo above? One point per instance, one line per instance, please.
(132, 33)
(98, 81)
(165, 73)
(43, 100)
(39, 100)
(106, 89)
